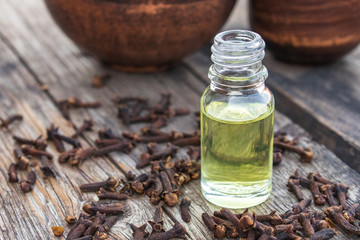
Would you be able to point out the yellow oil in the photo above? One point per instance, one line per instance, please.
(236, 157)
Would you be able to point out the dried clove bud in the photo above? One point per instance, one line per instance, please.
(57, 231)
(12, 173)
(350, 213)
(5, 123)
(277, 158)
(273, 218)
(29, 150)
(178, 231)
(169, 195)
(209, 221)
(112, 208)
(335, 213)
(294, 187)
(102, 194)
(306, 155)
(122, 146)
(72, 141)
(45, 167)
(314, 188)
(139, 233)
(341, 191)
(109, 184)
(98, 220)
(22, 161)
(86, 126)
(323, 234)
(305, 221)
(328, 189)
(38, 143)
(65, 156)
(304, 182)
(59, 145)
(81, 155)
(220, 231)
(194, 152)
(301, 206)
(182, 142)
(26, 185)
(79, 228)
(158, 223)
(107, 225)
(184, 209)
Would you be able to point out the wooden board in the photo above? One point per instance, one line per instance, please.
(34, 52)
(325, 100)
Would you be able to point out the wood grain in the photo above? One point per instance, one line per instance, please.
(34, 52)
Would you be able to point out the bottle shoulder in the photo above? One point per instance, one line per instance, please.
(238, 106)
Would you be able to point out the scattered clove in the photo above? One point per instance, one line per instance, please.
(294, 187)
(29, 150)
(38, 143)
(99, 81)
(112, 208)
(314, 188)
(86, 126)
(178, 231)
(341, 191)
(306, 155)
(184, 209)
(102, 194)
(51, 131)
(12, 173)
(22, 161)
(5, 123)
(109, 184)
(139, 233)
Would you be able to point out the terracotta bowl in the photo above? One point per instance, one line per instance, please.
(307, 31)
(140, 35)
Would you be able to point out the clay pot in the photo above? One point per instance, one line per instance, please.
(140, 35)
(307, 31)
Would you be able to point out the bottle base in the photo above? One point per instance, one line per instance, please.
(235, 201)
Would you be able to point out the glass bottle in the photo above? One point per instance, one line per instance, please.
(237, 118)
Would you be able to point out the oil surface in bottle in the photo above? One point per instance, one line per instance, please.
(236, 157)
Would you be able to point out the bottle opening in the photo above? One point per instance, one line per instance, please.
(237, 56)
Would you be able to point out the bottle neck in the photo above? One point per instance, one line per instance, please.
(237, 57)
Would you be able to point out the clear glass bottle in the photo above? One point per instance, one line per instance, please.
(237, 118)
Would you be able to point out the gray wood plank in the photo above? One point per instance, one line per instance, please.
(46, 56)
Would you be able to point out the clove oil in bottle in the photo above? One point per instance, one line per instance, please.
(237, 118)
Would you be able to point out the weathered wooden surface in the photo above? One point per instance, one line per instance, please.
(34, 52)
(325, 100)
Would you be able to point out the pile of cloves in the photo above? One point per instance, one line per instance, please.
(298, 223)
(335, 194)
(137, 109)
(158, 232)
(106, 144)
(322, 189)
(73, 102)
(29, 149)
(167, 175)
